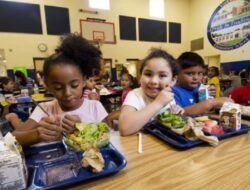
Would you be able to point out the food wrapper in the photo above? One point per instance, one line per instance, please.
(93, 159)
(230, 115)
(188, 127)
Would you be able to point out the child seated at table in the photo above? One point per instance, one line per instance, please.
(186, 91)
(241, 94)
(128, 82)
(89, 91)
(6, 85)
(213, 79)
(65, 74)
(158, 75)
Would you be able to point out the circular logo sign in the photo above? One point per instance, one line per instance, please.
(229, 25)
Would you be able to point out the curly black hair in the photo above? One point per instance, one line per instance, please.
(159, 53)
(77, 51)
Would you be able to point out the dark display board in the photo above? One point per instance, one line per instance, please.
(20, 17)
(57, 20)
(152, 30)
(174, 32)
(127, 28)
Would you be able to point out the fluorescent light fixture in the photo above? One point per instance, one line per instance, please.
(156, 8)
(99, 4)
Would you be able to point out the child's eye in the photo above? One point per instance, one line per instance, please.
(190, 74)
(163, 75)
(147, 74)
(74, 85)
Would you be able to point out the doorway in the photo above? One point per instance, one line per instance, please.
(213, 60)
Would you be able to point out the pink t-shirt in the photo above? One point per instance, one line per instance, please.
(91, 111)
(88, 92)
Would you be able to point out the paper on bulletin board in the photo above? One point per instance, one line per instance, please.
(22, 69)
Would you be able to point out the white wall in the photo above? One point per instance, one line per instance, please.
(21, 48)
(192, 14)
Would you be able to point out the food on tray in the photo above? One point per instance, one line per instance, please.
(230, 115)
(88, 135)
(210, 123)
(202, 118)
(189, 127)
(171, 120)
(93, 159)
(210, 126)
(213, 129)
(245, 110)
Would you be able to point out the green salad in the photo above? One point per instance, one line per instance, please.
(171, 120)
(88, 135)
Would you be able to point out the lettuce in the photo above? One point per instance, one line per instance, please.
(89, 134)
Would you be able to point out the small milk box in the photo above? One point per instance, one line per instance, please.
(230, 115)
(13, 171)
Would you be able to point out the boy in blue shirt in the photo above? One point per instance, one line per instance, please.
(188, 83)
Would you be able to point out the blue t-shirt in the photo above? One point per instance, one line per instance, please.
(185, 97)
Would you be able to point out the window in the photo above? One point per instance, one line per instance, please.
(156, 8)
(99, 4)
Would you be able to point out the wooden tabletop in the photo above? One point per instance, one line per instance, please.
(160, 166)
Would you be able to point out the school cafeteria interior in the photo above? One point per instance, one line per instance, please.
(125, 31)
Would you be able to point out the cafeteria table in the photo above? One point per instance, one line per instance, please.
(160, 166)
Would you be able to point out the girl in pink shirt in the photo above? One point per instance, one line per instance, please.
(89, 91)
(127, 83)
(65, 74)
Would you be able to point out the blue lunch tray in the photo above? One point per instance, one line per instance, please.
(179, 141)
(50, 166)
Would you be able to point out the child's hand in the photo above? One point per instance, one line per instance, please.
(176, 109)
(49, 129)
(212, 91)
(164, 97)
(218, 102)
(68, 123)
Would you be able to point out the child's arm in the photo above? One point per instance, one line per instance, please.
(132, 120)
(114, 115)
(27, 133)
(204, 106)
(26, 138)
(14, 120)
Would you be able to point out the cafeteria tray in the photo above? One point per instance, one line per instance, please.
(50, 166)
(180, 142)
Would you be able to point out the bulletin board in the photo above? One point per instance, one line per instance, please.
(152, 30)
(93, 30)
(174, 32)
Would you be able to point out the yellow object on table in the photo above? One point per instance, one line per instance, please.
(37, 96)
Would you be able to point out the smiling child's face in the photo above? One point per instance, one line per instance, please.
(66, 83)
(156, 76)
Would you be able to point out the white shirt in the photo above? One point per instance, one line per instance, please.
(137, 99)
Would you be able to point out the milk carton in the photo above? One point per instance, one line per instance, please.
(203, 93)
(13, 171)
(230, 115)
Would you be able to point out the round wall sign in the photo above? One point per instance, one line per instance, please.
(229, 25)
